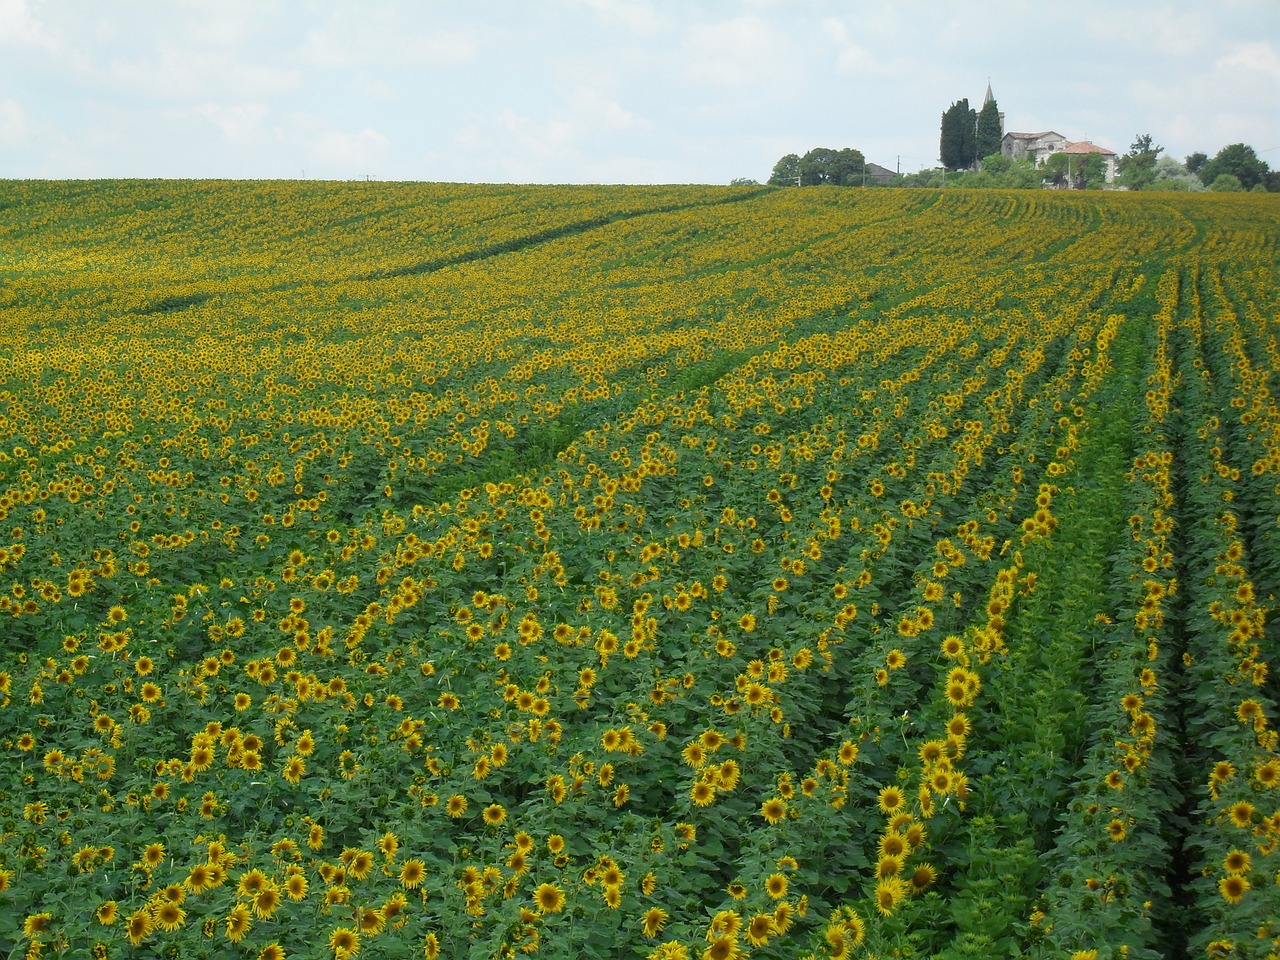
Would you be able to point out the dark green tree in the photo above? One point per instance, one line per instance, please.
(839, 168)
(958, 144)
(1195, 161)
(1138, 166)
(988, 135)
(1238, 160)
(786, 172)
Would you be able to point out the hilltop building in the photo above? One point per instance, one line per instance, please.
(1039, 147)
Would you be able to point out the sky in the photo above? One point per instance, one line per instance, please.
(607, 91)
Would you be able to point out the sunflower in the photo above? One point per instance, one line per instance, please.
(889, 893)
(888, 866)
(169, 916)
(494, 814)
(267, 901)
(296, 886)
(361, 864)
(654, 920)
(890, 800)
(1237, 862)
(923, 877)
(1268, 774)
(412, 873)
(106, 913)
(344, 942)
(139, 925)
(36, 924)
(1233, 888)
(372, 921)
(773, 810)
(457, 805)
(893, 844)
(1241, 813)
(759, 929)
(776, 886)
(153, 855)
(549, 898)
(702, 793)
(251, 883)
(237, 923)
(723, 947)
(693, 755)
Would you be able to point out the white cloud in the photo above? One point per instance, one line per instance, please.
(1259, 57)
(16, 128)
(174, 73)
(363, 36)
(851, 58)
(356, 153)
(238, 123)
(744, 51)
(565, 143)
(20, 29)
(638, 18)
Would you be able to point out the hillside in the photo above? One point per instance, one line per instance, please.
(637, 571)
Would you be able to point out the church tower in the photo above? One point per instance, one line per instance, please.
(987, 99)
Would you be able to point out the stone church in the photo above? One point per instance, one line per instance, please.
(1041, 146)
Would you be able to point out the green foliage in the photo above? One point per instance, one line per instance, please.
(1138, 166)
(1240, 161)
(957, 143)
(821, 166)
(786, 172)
(805, 562)
(987, 139)
(1075, 170)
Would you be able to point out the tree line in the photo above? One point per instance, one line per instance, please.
(821, 166)
(970, 152)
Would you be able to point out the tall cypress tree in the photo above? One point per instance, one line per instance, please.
(958, 142)
(988, 138)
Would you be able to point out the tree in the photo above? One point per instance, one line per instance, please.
(1172, 175)
(744, 182)
(1079, 171)
(958, 143)
(786, 172)
(824, 166)
(987, 140)
(999, 172)
(1226, 183)
(1194, 162)
(1138, 166)
(1238, 160)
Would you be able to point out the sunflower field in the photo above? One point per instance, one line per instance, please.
(412, 570)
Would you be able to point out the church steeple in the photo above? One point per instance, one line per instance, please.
(990, 98)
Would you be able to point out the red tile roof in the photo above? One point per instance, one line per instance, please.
(1087, 146)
